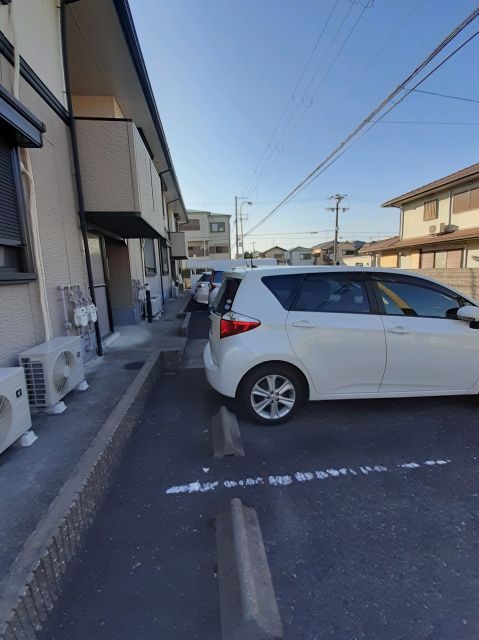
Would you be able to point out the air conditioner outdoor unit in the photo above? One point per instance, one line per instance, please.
(155, 305)
(52, 369)
(15, 417)
(432, 229)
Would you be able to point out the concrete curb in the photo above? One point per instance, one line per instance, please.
(182, 313)
(226, 435)
(249, 610)
(36, 578)
(185, 324)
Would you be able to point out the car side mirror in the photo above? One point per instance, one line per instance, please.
(469, 313)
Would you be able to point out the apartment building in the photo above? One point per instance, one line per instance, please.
(89, 200)
(439, 225)
(208, 235)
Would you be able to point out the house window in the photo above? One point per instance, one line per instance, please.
(14, 259)
(305, 256)
(165, 267)
(430, 210)
(465, 200)
(193, 224)
(217, 227)
(220, 249)
(150, 258)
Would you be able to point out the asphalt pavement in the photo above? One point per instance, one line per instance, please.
(369, 512)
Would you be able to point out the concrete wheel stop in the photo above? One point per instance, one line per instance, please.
(249, 610)
(226, 435)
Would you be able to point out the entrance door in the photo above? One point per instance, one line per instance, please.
(95, 244)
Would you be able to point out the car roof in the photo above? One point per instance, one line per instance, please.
(260, 272)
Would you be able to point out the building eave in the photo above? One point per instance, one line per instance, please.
(457, 178)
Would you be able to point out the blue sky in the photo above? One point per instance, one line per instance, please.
(223, 72)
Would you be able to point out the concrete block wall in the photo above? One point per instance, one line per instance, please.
(465, 280)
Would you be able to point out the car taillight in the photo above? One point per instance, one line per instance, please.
(233, 325)
(212, 286)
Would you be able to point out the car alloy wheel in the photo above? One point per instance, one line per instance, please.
(273, 397)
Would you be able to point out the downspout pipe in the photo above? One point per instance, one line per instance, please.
(76, 164)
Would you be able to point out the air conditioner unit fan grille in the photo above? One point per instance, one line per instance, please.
(62, 367)
(35, 379)
(5, 409)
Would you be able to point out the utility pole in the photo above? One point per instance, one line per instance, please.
(236, 225)
(237, 199)
(338, 197)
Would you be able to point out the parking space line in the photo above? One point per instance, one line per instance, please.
(302, 476)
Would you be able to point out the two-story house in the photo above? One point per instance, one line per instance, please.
(323, 254)
(300, 256)
(439, 225)
(277, 253)
(208, 235)
(89, 199)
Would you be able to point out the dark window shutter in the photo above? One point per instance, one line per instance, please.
(10, 229)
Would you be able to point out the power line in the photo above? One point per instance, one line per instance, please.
(471, 124)
(445, 95)
(366, 69)
(291, 125)
(369, 121)
(292, 96)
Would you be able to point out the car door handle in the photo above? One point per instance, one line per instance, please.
(303, 324)
(399, 330)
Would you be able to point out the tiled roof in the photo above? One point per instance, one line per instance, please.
(378, 245)
(391, 244)
(453, 178)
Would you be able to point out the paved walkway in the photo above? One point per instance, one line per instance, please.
(30, 478)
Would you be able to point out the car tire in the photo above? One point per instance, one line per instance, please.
(282, 405)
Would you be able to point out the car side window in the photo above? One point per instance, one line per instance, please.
(402, 298)
(332, 294)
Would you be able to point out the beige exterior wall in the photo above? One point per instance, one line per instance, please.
(413, 212)
(413, 223)
(388, 261)
(467, 219)
(37, 26)
(96, 107)
(148, 183)
(204, 237)
(352, 261)
(108, 179)
(21, 323)
(472, 254)
(117, 171)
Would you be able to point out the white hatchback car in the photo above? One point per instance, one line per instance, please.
(284, 334)
(202, 290)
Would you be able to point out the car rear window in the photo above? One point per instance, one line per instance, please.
(205, 277)
(217, 277)
(226, 295)
(284, 288)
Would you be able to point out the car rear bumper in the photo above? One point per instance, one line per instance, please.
(214, 375)
(201, 296)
